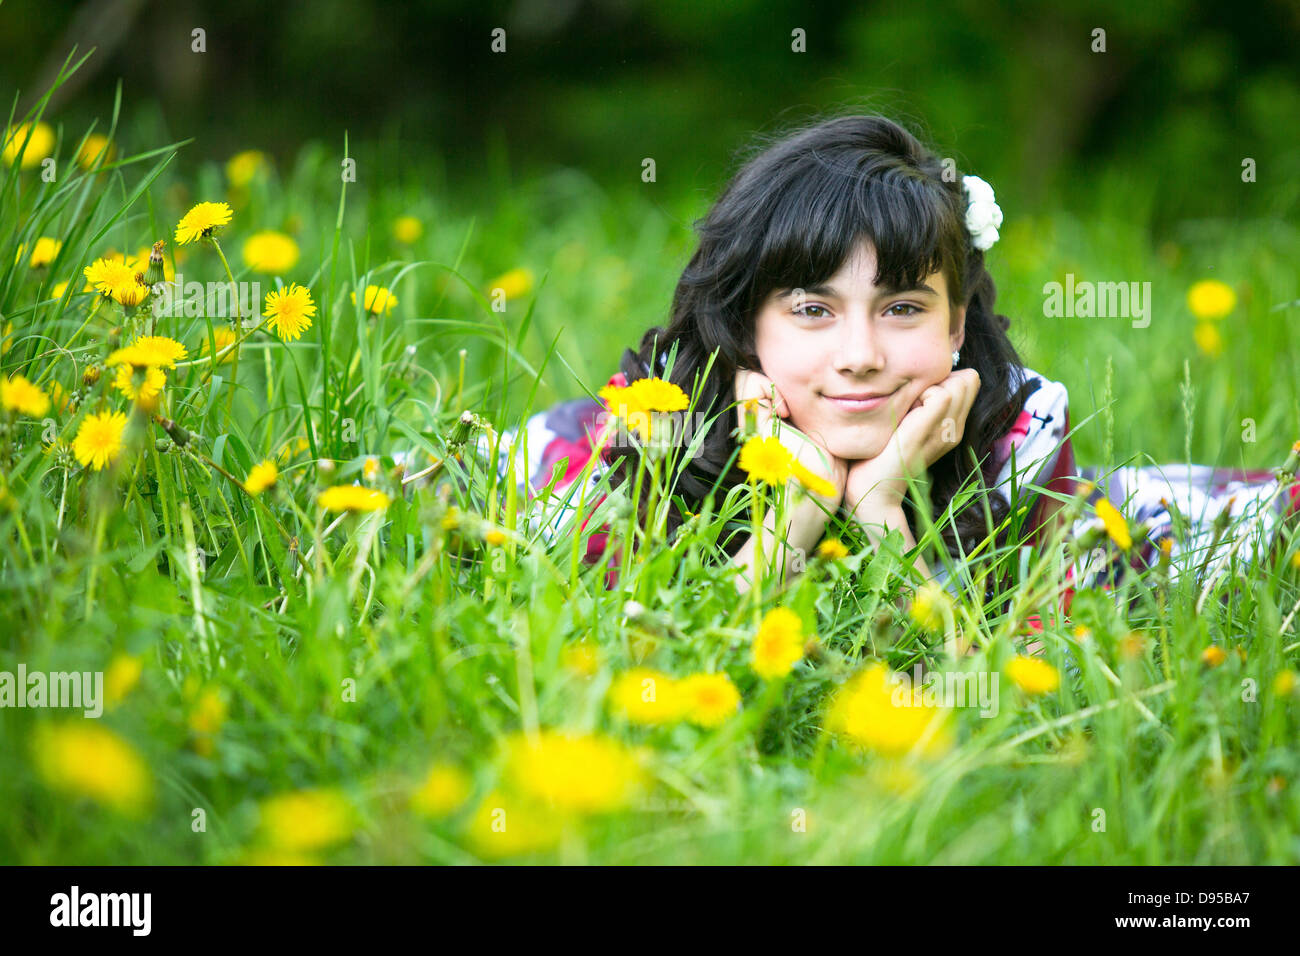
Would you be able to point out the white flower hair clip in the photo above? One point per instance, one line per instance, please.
(983, 214)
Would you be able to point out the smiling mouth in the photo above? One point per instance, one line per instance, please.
(858, 405)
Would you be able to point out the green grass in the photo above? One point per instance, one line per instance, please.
(353, 659)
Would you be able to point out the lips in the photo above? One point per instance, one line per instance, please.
(856, 402)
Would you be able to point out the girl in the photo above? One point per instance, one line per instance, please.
(840, 286)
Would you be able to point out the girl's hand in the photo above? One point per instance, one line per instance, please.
(758, 387)
(931, 428)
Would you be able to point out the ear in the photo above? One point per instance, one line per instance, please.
(958, 326)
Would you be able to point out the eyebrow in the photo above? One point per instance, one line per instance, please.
(831, 292)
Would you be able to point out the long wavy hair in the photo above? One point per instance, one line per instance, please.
(790, 217)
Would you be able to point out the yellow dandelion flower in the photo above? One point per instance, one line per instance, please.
(1208, 339)
(494, 537)
(19, 395)
(262, 476)
(513, 284)
(44, 251)
(149, 386)
(766, 460)
(580, 772)
(1116, 525)
(353, 498)
(105, 274)
(710, 699)
(206, 718)
(6, 338)
(880, 713)
(293, 446)
(201, 220)
(243, 166)
(225, 337)
(59, 288)
(1033, 675)
(1213, 656)
(1132, 645)
(96, 145)
(270, 252)
(832, 549)
(1211, 299)
(307, 819)
(120, 677)
(153, 351)
(377, 299)
(407, 229)
(37, 148)
(445, 788)
(647, 697)
(99, 439)
(148, 351)
(1284, 683)
(130, 292)
(625, 403)
(810, 480)
(87, 759)
(289, 311)
(581, 658)
(370, 469)
(657, 395)
(931, 607)
(778, 645)
(510, 825)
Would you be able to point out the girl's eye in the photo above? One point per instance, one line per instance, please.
(903, 305)
(804, 311)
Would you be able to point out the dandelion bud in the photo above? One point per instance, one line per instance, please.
(155, 274)
(1292, 463)
(178, 434)
(90, 376)
(461, 430)
(1224, 517)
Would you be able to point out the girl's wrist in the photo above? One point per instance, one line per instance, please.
(808, 520)
(875, 509)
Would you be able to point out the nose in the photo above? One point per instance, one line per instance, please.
(859, 347)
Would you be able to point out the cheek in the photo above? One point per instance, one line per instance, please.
(928, 366)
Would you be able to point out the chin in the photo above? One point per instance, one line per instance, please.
(853, 447)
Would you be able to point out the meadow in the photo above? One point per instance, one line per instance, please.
(330, 633)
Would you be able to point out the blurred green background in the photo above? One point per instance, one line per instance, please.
(1183, 91)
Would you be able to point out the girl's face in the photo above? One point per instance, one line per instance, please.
(851, 339)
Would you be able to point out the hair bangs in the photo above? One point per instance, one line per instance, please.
(821, 213)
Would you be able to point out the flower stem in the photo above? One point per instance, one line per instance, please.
(234, 301)
(756, 518)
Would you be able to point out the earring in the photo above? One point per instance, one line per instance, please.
(956, 357)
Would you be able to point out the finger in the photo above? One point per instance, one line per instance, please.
(750, 391)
